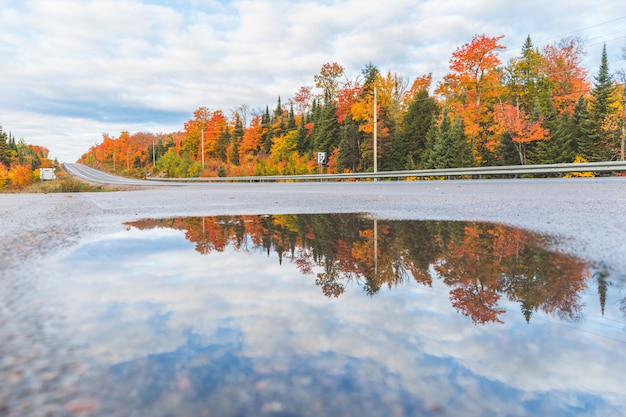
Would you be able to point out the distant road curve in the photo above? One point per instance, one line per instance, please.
(99, 177)
(93, 175)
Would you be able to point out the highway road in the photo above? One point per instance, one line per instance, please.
(93, 175)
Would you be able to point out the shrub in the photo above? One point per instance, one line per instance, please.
(20, 176)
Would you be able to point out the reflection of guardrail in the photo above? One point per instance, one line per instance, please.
(474, 172)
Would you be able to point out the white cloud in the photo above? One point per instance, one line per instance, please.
(126, 63)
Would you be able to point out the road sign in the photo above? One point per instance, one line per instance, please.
(321, 158)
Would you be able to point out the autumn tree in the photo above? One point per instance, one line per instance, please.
(302, 100)
(513, 121)
(194, 131)
(567, 78)
(472, 88)
(328, 79)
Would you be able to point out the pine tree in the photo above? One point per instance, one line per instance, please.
(223, 141)
(450, 147)
(267, 136)
(302, 142)
(291, 121)
(370, 72)
(583, 141)
(326, 131)
(601, 106)
(603, 94)
(237, 138)
(4, 148)
(461, 155)
(441, 144)
(349, 147)
(507, 151)
(409, 145)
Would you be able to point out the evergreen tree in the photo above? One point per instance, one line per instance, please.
(603, 94)
(526, 79)
(438, 156)
(278, 112)
(326, 130)
(239, 131)
(302, 142)
(409, 144)
(4, 148)
(267, 136)
(349, 147)
(461, 150)
(601, 106)
(291, 121)
(386, 129)
(234, 152)
(507, 151)
(223, 141)
(563, 146)
(237, 138)
(581, 141)
(450, 147)
(278, 120)
(370, 72)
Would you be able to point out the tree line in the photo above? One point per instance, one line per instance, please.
(538, 107)
(20, 162)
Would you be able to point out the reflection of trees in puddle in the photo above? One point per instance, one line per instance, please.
(479, 262)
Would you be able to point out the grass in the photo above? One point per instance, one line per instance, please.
(64, 185)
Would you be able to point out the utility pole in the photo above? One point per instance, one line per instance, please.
(153, 155)
(202, 149)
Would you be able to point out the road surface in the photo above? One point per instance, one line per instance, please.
(93, 175)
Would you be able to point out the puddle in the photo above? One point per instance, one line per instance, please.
(298, 315)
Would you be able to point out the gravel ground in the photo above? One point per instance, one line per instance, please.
(589, 215)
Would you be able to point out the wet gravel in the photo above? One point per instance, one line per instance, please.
(40, 374)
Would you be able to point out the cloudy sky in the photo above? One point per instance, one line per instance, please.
(72, 70)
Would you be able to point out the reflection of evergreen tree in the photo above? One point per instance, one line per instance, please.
(602, 288)
(421, 247)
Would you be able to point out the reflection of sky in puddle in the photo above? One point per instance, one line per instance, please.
(236, 332)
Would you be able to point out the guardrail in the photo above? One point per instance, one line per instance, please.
(473, 172)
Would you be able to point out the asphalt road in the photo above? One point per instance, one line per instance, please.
(93, 175)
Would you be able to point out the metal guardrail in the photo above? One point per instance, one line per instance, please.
(473, 172)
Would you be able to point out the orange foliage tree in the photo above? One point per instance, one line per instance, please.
(512, 120)
(472, 88)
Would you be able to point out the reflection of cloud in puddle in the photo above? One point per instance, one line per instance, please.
(142, 293)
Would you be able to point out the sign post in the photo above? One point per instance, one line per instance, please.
(321, 160)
